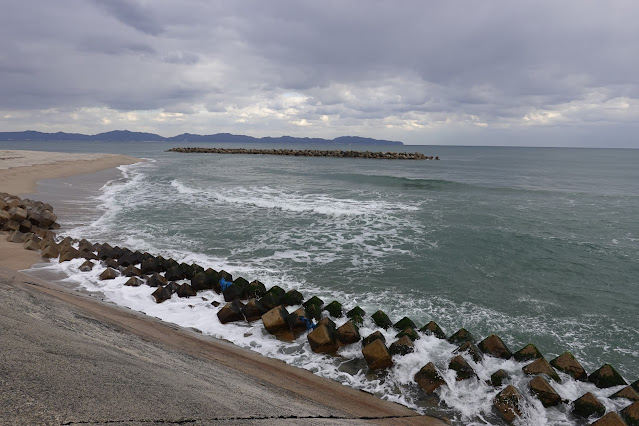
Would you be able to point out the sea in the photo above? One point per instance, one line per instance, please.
(536, 245)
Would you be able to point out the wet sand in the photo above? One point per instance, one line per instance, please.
(71, 358)
(21, 170)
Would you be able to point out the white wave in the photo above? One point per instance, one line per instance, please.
(269, 198)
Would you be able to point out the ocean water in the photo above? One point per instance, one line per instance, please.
(536, 245)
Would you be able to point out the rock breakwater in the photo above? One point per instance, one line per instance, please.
(289, 315)
(309, 153)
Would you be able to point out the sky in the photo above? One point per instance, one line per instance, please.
(534, 73)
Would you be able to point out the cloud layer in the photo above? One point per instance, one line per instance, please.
(541, 73)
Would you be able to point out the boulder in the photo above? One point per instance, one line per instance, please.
(111, 263)
(606, 377)
(11, 225)
(372, 337)
(234, 291)
(381, 320)
(328, 323)
(175, 273)
(631, 414)
(296, 321)
(587, 405)
(377, 355)
(628, 392)
(86, 266)
(356, 314)
(568, 364)
(253, 310)
(68, 253)
(275, 320)
(47, 241)
(150, 266)
(313, 301)
(527, 353)
(428, 378)
(104, 251)
(433, 329)
(461, 366)
(541, 366)
(83, 244)
(156, 280)
(544, 392)
(25, 226)
(499, 377)
(273, 297)
(108, 274)
(17, 214)
(507, 403)
(192, 270)
(348, 333)
(172, 287)
(127, 259)
(404, 323)
(16, 237)
(494, 346)
(408, 332)
(242, 282)
(610, 419)
(186, 290)
(255, 289)
(32, 243)
(293, 297)
(231, 312)
(402, 346)
(461, 336)
(43, 233)
(313, 312)
(47, 218)
(227, 276)
(134, 282)
(201, 281)
(4, 216)
(132, 271)
(49, 252)
(472, 350)
(323, 340)
(635, 385)
(87, 254)
(215, 303)
(161, 294)
(334, 309)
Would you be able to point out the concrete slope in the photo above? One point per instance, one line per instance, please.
(68, 358)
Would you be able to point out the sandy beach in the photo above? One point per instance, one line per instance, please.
(71, 358)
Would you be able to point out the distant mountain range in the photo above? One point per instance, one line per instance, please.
(128, 136)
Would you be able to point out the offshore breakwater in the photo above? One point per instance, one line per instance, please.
(310, 153)
(289, 314)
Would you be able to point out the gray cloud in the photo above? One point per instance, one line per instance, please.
(135, 15)
(320, 68)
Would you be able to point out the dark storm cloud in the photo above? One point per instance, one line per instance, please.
(382, 64)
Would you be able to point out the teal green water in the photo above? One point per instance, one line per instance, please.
(535, 244)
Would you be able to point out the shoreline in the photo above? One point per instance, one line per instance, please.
(21, 170)
(72, 324)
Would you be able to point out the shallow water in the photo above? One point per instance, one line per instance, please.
(537, 245)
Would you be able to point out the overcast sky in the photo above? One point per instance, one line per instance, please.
(549, 73)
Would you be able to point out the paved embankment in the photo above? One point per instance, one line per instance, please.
(68, 358)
